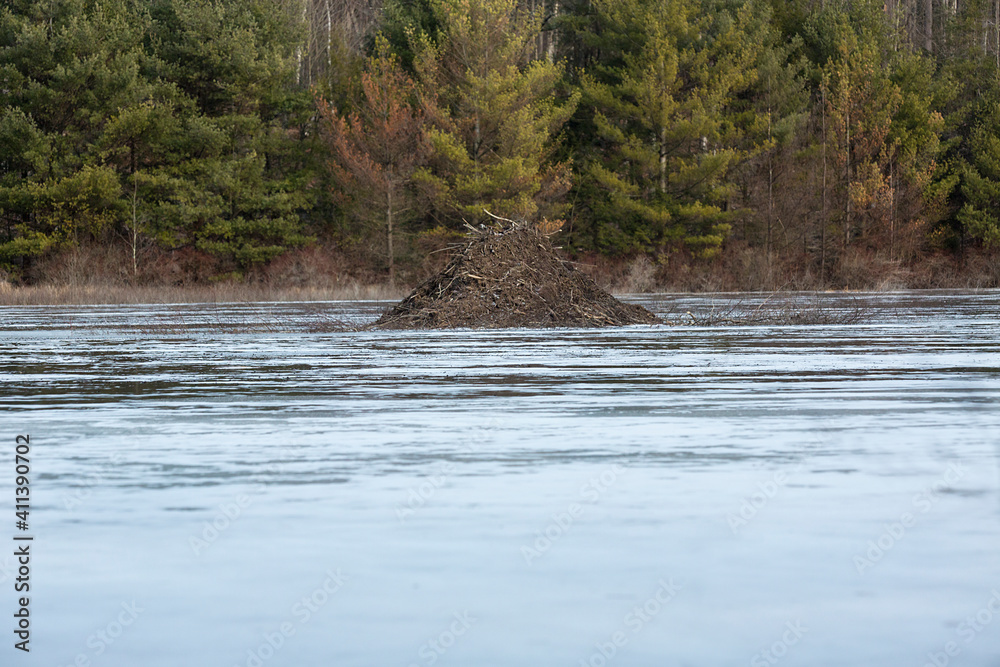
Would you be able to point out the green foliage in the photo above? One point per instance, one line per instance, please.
(980, 178)
(663, 108)
(81, 203)
(166, 118)
(232, 58)
(25, 243)
(376, 147)
(403, 21)
(673, 126)
(862, 101)
(967, 90)
(494, 114)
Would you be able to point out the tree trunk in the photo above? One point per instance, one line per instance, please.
(892, 6)
(847, 205)
(825, 215)
(299, 79)
(553, 34)
(329, 36)
(388, 224)
(540, 37)
(929, 26)
(663, 159)
(476, 141)
(770, 186)
(892, 211)
(135, 226)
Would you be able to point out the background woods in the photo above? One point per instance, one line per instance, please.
(694, 144)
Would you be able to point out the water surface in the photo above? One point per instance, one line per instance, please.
(829, 495)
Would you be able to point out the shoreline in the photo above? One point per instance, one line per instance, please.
(86, 295)
(104, 295)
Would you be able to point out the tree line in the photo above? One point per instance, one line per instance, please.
(676, 130)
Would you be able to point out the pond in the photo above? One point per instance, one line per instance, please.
(247, 485)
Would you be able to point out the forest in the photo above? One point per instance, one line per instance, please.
(681, 144)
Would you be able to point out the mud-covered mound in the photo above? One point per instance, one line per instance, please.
(510, 276)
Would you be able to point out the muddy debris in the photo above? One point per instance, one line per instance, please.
(506, 276)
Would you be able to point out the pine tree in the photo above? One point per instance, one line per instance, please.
(969, 176)
(979, 215)
(65, 68)
(775, 111)
(661, 99)
(861, 102)
(920, 184)
(162, 118)
(493, 113)
(376, 147)
(225, 195)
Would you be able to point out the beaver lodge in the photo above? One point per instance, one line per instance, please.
(509, 275)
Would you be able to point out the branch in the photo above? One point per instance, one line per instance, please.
(497, 217)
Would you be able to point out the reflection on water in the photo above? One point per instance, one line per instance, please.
(259, 488)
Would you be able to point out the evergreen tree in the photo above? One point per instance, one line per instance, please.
(163, 119)
(775, 111)
(969, 176)
(403, 21)
(65, 67)
(493, 113)
(920, 184)
(666, 140)
(979, 214)
(187, 124)
(236, 60)
(376, 147)
(861, 101)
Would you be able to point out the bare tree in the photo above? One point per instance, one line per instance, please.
(929, 26)
(334, 28)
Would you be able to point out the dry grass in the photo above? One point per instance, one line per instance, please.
(96, 274)
(53, 294)
(747, 269)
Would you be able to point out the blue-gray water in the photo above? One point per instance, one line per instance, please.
(829, 495)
